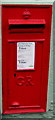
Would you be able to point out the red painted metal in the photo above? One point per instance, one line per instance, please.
(23, 40)
(28, 21)
(37, 24)
(25, 91)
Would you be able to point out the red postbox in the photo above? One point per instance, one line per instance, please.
(25, 57)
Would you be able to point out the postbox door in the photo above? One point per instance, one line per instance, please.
(24, 85)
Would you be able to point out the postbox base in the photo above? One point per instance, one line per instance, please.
(24, 111)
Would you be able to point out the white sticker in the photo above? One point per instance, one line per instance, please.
(25, 55)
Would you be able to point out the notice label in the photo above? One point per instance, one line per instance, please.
(25, 55)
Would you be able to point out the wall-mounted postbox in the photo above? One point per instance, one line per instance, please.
(25, 57)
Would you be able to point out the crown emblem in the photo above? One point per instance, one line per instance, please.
(26, 14)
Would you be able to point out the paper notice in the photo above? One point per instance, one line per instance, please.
(25, 55)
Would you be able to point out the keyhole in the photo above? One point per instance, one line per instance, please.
(15, 75)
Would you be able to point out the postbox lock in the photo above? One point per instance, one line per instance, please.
(26, 14)
(14, 74)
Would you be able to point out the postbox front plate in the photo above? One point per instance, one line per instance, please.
(25, 57)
